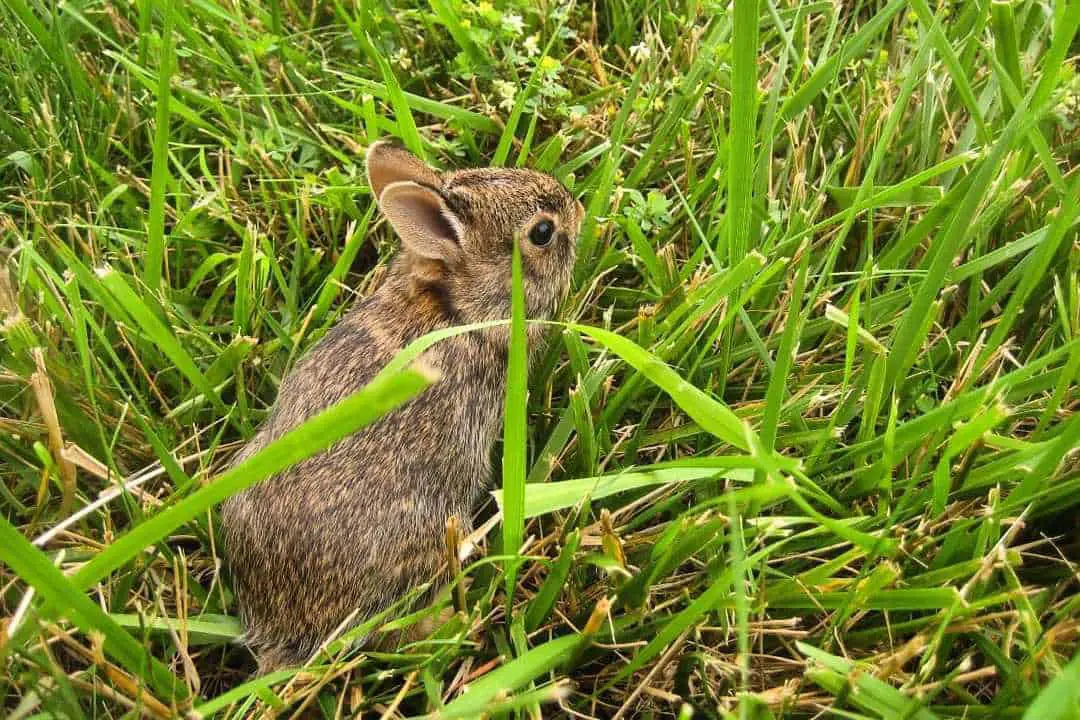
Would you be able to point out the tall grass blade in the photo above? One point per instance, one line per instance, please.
(514, 428)
(743, 129)
(155, 232)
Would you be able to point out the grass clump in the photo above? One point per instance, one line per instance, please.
(804, 446)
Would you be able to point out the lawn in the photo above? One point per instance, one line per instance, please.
(803, 444)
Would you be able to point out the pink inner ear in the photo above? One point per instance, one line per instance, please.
(432, 216)
(423, 222)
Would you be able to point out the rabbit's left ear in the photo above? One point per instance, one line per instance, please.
(426, 226)
(389, 163)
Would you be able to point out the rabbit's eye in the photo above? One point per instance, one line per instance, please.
(541, 233)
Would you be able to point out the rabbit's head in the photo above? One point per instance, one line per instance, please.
(457, 231)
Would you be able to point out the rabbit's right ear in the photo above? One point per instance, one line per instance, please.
(389, 163)
(422, 220)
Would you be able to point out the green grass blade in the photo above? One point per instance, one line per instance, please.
(155, 235)
(743, 129)
(1060, 699)
(511, 676)
(785, 358)
(739, 579)
(543, 498)
(201, 630)
(515, 446)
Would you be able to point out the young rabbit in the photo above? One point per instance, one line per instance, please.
(350, 530)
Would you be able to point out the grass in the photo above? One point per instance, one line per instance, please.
(803, 444)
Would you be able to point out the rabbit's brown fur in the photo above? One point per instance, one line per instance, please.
(352, 529)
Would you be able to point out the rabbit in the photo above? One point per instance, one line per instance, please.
(342, 535)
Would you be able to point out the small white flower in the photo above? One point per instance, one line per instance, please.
(514, 24)
(402, 59)
(640, 52)
(507, 91)
(532, 45)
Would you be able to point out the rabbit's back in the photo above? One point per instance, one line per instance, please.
(360, 524)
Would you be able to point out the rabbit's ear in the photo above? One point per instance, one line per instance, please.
(389, 163)
(421, 218)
